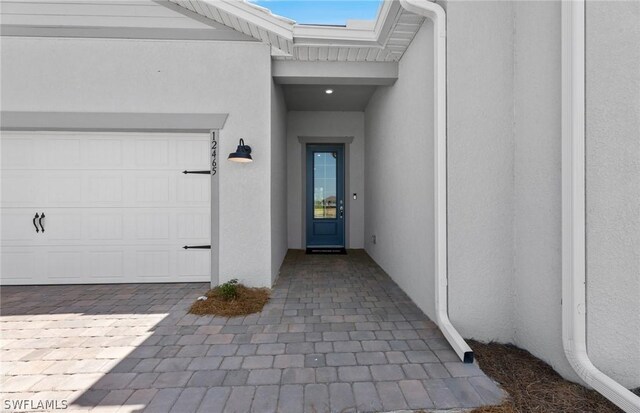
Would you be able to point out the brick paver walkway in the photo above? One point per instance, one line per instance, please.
(337, 336)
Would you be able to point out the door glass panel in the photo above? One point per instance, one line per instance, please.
(324, 185)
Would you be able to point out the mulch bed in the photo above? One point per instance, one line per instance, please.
(533, 385)
(248, 301)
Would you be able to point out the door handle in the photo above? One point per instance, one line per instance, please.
(34, 222)
(40, 222)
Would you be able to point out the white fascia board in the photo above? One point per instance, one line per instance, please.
(276, 52)
(386, 20)
(333, 35)
(258, 16)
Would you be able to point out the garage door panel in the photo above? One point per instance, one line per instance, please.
(21, 188)
(153, 226)
(193, 226)
(62, 152)
(22, 266)
(193, 190)
(154, 264)
(194, 263)
(63, 188)
(63, 226)
(151, 188)
(104, 188)
(105, 226)
(118, 208)
(152, 153)
(104, 153)
(106, 266)
(17, 226)
(192, 153)
(66, 265)
(109, 264)
(18, 152)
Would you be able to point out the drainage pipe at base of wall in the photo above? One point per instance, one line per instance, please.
(436, 14)
(574, 317)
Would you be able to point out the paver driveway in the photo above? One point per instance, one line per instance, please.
(338, 335)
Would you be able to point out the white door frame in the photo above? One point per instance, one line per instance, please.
(338, 140)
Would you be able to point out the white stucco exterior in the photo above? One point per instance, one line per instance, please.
(504, 158)
(480, 167)
(505, 175)
(399, 174)
(325, 126)
(537, 185)
(151, 76)
(278, 180)
(613, 188)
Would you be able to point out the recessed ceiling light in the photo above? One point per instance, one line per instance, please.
(328, 91)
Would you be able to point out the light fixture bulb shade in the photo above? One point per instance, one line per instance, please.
(240, 158)
(242, 153)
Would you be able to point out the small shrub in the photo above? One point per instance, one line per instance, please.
(231, 299)
(229, 290)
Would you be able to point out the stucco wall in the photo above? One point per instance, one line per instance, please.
(613, 188)
(480, 167)
(108, 75)
(537, 276)
(326, 125)
(504, 107)
(278, 179)
(399, 168)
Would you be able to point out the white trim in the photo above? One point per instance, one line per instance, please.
(437, 15)
(215, 206)
(123, 33)
(346, 141)
(574, 305)
(334, 35)
(254, 14)
(387, 17)
(356, 41)
(111, 121)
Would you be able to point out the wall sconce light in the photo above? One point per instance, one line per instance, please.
(242, 153)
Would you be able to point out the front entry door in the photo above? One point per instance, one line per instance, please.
(325, 209)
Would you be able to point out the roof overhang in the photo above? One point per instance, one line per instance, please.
(383, 40)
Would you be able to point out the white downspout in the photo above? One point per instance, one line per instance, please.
(574, 320)
(436, 14)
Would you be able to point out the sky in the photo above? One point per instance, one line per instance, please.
(323, 11)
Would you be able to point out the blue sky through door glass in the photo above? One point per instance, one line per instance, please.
(332, 12)
(324, 184)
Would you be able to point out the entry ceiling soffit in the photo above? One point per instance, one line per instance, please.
(382, 40)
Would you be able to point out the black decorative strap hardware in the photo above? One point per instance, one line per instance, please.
(40, 221)
(197, 172)
(198, 247)
(34, 222)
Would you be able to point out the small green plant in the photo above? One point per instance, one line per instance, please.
(229, 290)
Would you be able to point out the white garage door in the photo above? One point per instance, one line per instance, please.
(117, 208)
